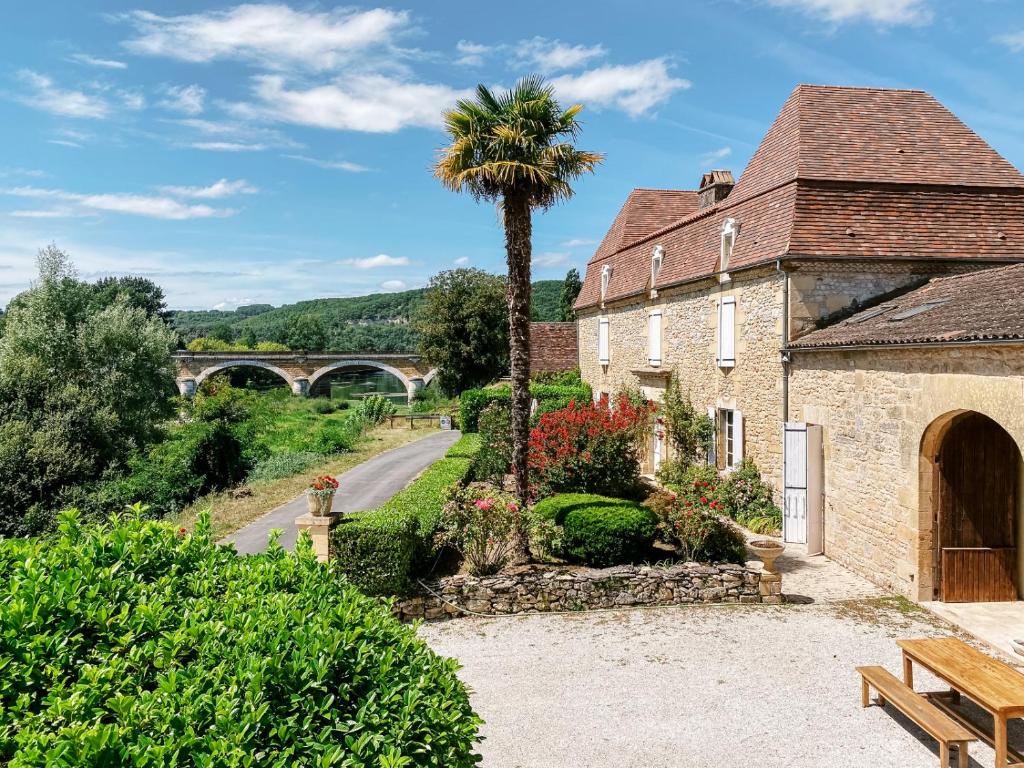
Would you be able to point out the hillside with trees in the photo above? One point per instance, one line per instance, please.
(378, 323)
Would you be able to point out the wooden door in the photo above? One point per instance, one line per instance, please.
(977, 512)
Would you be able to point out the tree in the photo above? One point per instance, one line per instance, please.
(515, 149)
(222, 332)
(463, 328)
(306, 332)
(570, 290)
(82, 387)
(135, 292)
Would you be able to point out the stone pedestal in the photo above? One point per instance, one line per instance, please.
(770, 587)
(320, 531)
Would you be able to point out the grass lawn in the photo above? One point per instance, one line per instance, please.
(234, 508)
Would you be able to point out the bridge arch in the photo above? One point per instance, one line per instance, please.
(244, 363)
(430, 376)
(409, 384)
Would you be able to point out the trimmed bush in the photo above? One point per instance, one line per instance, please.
(137, 644)
(598, 530)
(494, 460)
(548, 396)
(381, 551)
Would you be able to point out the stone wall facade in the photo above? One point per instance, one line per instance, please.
(752, 386)
(541, 588)
(878, 409)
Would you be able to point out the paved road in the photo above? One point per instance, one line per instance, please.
(365, 486)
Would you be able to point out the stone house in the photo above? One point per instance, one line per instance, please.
(855, 196)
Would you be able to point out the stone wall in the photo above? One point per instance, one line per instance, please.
(689, 348)
(876, 408)
(538, 588)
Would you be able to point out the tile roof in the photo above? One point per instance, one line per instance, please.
(977, 306)
(553, 347)
(842, 172)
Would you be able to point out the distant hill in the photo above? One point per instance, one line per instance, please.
(378, 323)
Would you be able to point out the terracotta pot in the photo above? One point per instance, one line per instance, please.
(768, 551)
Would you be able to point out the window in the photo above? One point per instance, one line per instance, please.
(654, 338)
(606, 276)
(657, 256)
(730, 228)
(602, 341)
(727, 332)
(729, 438)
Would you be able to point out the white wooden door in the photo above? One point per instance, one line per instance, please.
(794, 511)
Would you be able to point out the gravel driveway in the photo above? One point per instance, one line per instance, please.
(693, 686)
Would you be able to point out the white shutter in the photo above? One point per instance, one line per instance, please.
(737, 438)
(602, 341)
(712, 446)
(727, 332)
(654, 339)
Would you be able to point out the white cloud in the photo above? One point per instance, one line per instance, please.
(187, 99)
(462, 261)
(471, 54)
(44, 213)
(376, 262)
(138, 205)
(551, 259)
(45, 95)
(227, 146)
(64, 143)
(133, 100)
(369, 103)
(272, 35)
(878, 11)
(552, 55)
(394, 285)
(633, 88)
(334, 165)
(93, 61)
(715, 155)
(220, 188)
(578, 242)
(1012, 40)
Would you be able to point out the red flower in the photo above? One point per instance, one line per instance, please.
(703, 499)
(183, 532)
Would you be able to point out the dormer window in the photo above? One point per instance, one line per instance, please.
(606, 276)
(657, 255)
(730, 228)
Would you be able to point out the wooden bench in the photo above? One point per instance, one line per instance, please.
(928, 717)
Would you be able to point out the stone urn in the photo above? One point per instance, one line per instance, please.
(768, 550)
(319, 503)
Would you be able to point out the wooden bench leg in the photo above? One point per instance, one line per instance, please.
(865, 693)
(943, 754)
(962, 758)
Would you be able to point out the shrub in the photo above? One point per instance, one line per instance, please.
(588, 448)
(693, 482)
(380, 551)
(560, 378)
(484, 525)
(597, 530)
(279, 465)
(548, 397)
(697, 530)
(495, 457)
(323, 405)
(749, 499)
(335, 437)
(689, 432)
(376, 408)
(137, 644)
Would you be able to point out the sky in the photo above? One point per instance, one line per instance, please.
(270, 153)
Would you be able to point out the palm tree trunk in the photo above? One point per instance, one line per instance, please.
(518, 249)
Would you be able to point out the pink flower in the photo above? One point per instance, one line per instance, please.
(513, 507)
(484, 505)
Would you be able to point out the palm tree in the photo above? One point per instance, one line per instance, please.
(515, 149)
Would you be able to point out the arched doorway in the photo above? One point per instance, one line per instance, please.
(972, 483)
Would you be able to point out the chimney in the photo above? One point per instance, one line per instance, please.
(714, 187)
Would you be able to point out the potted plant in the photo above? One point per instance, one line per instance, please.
(768, 550)
(320, 495)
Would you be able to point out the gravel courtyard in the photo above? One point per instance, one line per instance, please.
(694, 686)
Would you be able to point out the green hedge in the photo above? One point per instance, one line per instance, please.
(380, 551)
(137, 644)
(549, 397)
(599, 530)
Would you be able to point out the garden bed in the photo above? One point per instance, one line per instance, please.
(540, 587)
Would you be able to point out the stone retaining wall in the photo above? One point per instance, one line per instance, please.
(536, 588)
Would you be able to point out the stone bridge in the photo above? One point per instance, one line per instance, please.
(300, 370)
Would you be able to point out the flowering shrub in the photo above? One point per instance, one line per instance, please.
(696, 529)
(749, 499)
(484, 525)
(589, 448)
